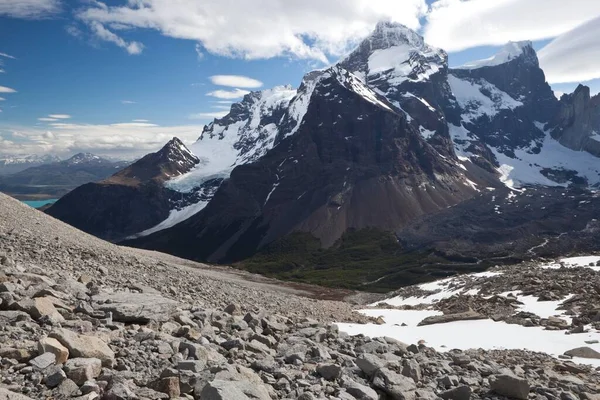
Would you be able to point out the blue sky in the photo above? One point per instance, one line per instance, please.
(108, 67)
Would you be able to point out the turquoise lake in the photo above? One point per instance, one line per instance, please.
(39, 203)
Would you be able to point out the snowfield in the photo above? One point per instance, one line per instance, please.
(485, 334)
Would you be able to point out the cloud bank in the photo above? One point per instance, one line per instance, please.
(235, 81)
(574, 56)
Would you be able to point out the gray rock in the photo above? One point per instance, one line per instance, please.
(329, 371)
(359, 391)
(442, 319)
(397, 386)
(510, 386)
(412, 369)
(84, 346)
(67, 388)
(583, 352)
(6, 394)
(231, 390)
(369, 363)
(43, 361)
(191, 365)
(80, 370)
(457, 393)
(136, 307)
(54, 376)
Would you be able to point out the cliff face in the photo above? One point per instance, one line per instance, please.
(577, 123)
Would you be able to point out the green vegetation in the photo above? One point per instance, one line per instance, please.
(367, 259)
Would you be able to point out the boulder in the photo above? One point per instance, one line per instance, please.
(54, 376)
(329, 371)
(359, 391)
(81, 370)
(369, 363)
(457, 393)
(510, 386)
(232, 390)
(84, 346)
(43, 361)
(442, 319)
(53, 346)
(583, 352)
(397, 386)
(40, 307)
(6, 394)
(136, 307)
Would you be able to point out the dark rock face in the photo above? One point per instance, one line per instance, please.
(353, 163)
(523, 100)
(577, 123)
(130, 201)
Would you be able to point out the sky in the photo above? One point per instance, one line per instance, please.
(119, 78)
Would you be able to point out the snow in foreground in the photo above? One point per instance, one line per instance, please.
(485, 334)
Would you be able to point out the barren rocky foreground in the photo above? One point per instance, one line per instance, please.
(82, 318)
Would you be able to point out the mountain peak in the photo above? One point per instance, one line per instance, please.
(83, 158)
(388, 34)
(508, 53)
(175, 150)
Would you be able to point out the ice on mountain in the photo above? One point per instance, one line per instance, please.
(480, 98)
(509, 52)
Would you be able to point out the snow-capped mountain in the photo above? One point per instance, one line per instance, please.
(12, 165)
(387, 137)
(131, 200)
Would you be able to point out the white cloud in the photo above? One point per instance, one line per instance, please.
(2, 99)
(7, 56)
(128, 102)
(221, 107)
(4, 89)
(228, 94)
(140, 120)
(235, 81)
(44, 119)
(208, 115)
(122, 140)
(29, 9)
(309, 29)
(458, 24)
(199, 52)
(104, 34)
(59, 116)
(574, 56)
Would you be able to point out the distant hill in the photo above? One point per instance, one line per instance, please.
(12, 165)
(58, 178)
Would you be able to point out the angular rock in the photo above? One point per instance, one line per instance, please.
(84, 346)
(136, 307)
(232, 390)
(6, 394)
(457, 393)
(54, 376)
(80, 370)
(369, 363)
(40, 307)
(397, 386)
(53, 346)
(360, 391)
(43, 361)
(329, 371)
(583, 352)
(510, 386)
(442, 319)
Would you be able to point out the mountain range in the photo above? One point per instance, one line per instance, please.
(386, 168)
(48, 176)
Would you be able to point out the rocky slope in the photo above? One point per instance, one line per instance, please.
(59, 177)
(131, 200)
(86, 319)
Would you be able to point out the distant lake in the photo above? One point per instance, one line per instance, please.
(39, 203)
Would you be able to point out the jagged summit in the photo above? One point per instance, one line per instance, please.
(83, 158)
(395, 53)
(510, 51)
